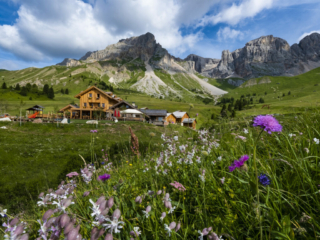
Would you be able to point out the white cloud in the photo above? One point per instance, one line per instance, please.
(69, 28)
(235, 13)
(306, 34)
(228, 33)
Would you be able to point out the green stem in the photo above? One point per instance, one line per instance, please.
(257, 187)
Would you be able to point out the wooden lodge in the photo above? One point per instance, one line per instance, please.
(182, 118)
(94, 103)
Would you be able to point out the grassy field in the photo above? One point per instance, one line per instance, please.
(35, 157)
(274, 195)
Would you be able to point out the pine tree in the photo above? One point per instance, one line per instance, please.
(251, 100)
(51, 93)
(46, 89)
(233, 114)
(62, 91)
(230, 108)
(66, 91)
(28, 86)
(223, 108)
(4, 85)
(265, 93)
(289, 93)
(283, 95)
(17, 87)
(24, 91)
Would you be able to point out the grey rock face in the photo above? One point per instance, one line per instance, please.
(69, 62)
(200, 62)
(269, 56)
(142, 47)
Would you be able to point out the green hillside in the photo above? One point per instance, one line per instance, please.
(283, 94)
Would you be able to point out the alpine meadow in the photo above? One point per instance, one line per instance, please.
(162, 119)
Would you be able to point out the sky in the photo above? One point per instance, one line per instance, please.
(39, 33)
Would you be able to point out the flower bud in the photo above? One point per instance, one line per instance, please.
(67, 202)
(18, 230)
(100, 200)
(244, 168)
(163, 215)
(159, 192)
(148, 209)
(151, 193)
(116, 214)
(50, 190)
(209, 229)
(105, 212)
(24, 237)
(14, 222)
(167, 196)
(68, 228)
(41, 195)
(108, 237)
(103, 205)
(64, 220)
(110, 202)
(63, 182)
(137, 199)
(73, 234)
(172, 225)
(50, 222)
(47, 215)
(85, 194)
(132, 233)
(205, 231)
(178, 227)
(60, 192)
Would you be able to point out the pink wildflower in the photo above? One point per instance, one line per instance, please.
(70, 175)
(178, 186)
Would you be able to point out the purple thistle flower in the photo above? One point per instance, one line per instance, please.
(238, 163)
(268, 123)
(104, 177)
(264, 180)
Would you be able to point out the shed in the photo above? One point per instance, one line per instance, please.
(190, 122)
(180, 116)
(155, 115)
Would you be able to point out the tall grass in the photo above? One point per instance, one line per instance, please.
(214, 197)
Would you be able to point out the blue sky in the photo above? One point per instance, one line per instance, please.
(38, 33)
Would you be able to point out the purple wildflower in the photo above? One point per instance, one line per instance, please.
(268, 123)
(104, 177)
(264, 180)
(102, 163)
(93, 131)
(238, 163)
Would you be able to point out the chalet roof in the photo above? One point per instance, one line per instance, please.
(122, 102)
(69, 105)
(179, 114)
(98, 89)
(168, 114)
(189, 120)
(154, 112)
(36, 108)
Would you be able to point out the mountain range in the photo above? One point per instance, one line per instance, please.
(266, 55)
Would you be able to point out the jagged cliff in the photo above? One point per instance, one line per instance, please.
(268, 55)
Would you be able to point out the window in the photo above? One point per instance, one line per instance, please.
(90, 94)
(85, 104)
(98, 104)
(160, 118)
(98, 95)
(103, 105)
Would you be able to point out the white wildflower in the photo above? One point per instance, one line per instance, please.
(171, 210)
(202, 178)
(316, 140)
(3, 212)
(245, 131)
(167, 229)
(113, 225)
(219, 158)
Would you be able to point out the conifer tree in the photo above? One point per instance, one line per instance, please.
(17, 87)
(46, 89)
(66, 91)
(4, 85)
(51, 93)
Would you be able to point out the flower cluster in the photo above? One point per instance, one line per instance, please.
(178, 186)
(264, 179)
(268, 123)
